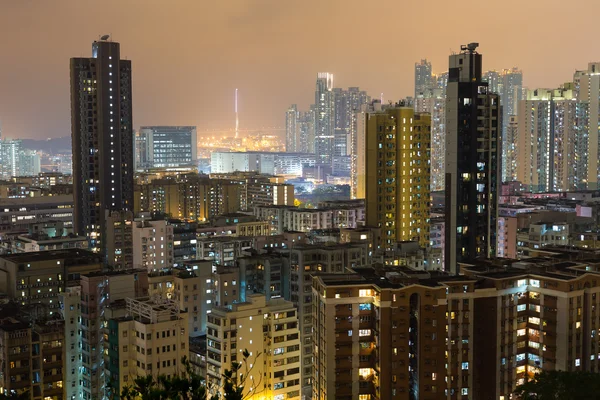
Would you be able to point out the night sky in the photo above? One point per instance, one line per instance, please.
(189, 55)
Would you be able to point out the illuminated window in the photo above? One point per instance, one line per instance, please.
(364, 332)
(364, 292)
(365, 372)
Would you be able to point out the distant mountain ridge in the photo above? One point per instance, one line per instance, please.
(53, 145)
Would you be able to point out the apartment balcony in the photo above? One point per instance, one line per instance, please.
(18, 385)
(343, 364)
(48, 351)
(52, 378)
(19, 370)
(51, 392)
(18, 356)
(341, 351)
(52, 364)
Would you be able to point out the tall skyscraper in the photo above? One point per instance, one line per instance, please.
(170, 146)
(433, 101)
(306, 131)
(397, 175)
(324, 117)
(510, 158)
(494, 81)
(587, 89)
(359, 149)
(423, 77)
(9, 158)
(552, 151)
(292, 141)
(346, 104)
(102, 137)
(441, 82)
(29, 163)
(472, 161)
(509, 85)
(510, 95)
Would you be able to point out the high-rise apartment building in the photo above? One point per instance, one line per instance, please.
(494, 81)
(511, 148)
(398, 175)
(306, 131)
(441, 82)
(509, 85)
(358, 151)
(10, 151)
(381, 332)
(587, 88)
(292, 139)
(29, 163)
(346, 104)
(324, 117)
(150, 340)
(473, 143)
(88, 307)
(423, 77)
(304, 261)
(433, 102)
(375, 339)
(33, 359)
(102, 136)
(552, 151)
(269, 331)
(168, 146)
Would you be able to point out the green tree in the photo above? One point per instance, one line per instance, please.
(561, 385)
(191, 386)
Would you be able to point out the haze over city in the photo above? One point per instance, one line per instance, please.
(189, 56)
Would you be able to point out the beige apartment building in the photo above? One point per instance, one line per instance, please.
(269, 331)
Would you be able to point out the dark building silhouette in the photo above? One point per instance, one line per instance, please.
(473, 123)
(101, 127)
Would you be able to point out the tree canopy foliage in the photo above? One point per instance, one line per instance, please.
(561, 385)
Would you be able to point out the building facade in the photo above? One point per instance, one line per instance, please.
(552, 151)
(473, 143)
(153, 245)
(398, 175)
(269, 331)
(102, 136)
(324, 117)
(168, 146)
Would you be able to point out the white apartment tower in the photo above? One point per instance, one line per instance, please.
(552, 141)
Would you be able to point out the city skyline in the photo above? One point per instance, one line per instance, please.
(253, 36)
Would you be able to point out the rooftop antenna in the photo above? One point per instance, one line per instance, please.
(237, 120)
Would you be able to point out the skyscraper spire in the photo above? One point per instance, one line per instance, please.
(237, 120)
